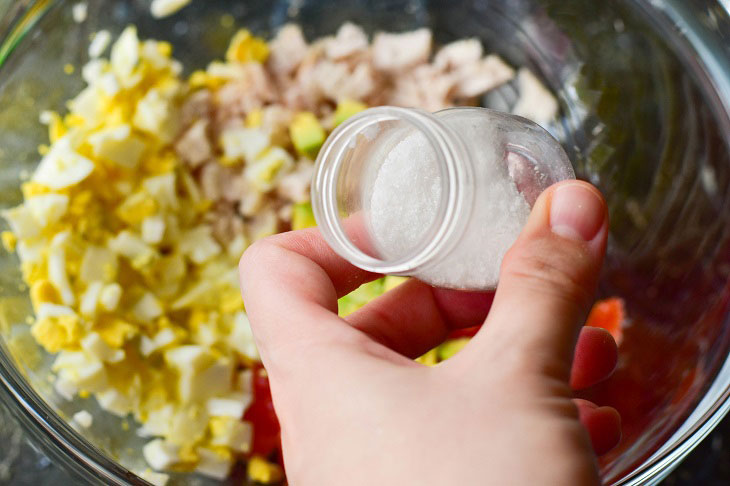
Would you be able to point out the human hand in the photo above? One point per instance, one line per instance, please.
(355, 409)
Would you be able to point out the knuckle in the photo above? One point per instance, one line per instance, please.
(563, 269)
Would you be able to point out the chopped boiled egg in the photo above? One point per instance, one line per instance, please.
(242, 336)
(231, 433)
(147, 308)
(98, 264)
(155, 478)
(155, 115)
(162, 339)
(62, 167)
(79, 12)
(22, 222)
(125, 57)
(82, 370)
(90, 298)
(161, 454)
(162, 188)
(232, 405)
(98, 348)
(201, 374)
(115, 402)
(132, 247)
(245, 47)
(244, 143)
(48, 208)
(110, 295)
(153, 229)
(83, 418)
(264, 172)
(199, 245)
(214, 463)
(165, 8)
(118, 145)
(99, 43)
(57, 271)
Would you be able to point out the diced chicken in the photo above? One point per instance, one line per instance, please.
(302, 92)
(458, 54)
(397, 52)
(287, 50)
(302, 96)
(350, 39)
(251, 201)
(251, 89)
(285, 212)
(212, 175)
(275, 120)
(194, 147)
(425, 87)
(225, 223)
(535, 102)
(477, 78)
(295, 186)
(221, 183)
(337, 82)
(198, 105)
(264, 223)
(232, 188)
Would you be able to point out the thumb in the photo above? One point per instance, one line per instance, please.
(548, 279)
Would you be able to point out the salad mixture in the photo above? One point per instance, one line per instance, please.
(152, 186)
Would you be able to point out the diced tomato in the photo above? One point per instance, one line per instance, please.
(266, 432)
(465, 332)
(608, 314)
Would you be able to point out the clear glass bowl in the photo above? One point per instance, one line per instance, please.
(644, 89)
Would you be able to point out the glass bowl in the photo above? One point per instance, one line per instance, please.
(644, 90)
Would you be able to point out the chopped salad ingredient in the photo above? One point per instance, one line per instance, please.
(609, 314)
(165, 8)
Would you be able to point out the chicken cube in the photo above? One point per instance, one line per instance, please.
(397, 52)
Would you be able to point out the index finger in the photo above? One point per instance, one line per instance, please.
(290, 284)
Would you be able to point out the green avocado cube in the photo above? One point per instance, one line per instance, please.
(302, 216)
(306, 133)
(451, 347)
(347, 108)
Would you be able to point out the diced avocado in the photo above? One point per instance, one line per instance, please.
(302, 216)
(306, 133)
(346, 108)
(392, 282)
(450, 348)
(367, 292)
(361, 296)
(429, 359)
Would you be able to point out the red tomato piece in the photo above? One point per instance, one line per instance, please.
(266, 432)
(608, 314)
(465, 332)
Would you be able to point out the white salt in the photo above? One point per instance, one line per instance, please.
(406, 196)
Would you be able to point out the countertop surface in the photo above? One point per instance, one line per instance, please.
(22, 465)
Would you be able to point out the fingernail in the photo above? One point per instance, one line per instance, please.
(576, 212)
